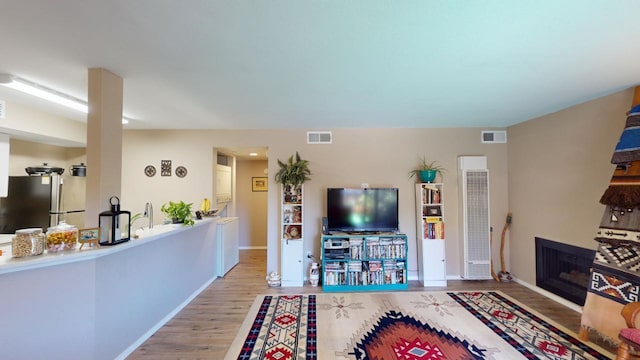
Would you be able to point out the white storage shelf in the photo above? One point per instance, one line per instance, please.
(292, 211)
(430, 232)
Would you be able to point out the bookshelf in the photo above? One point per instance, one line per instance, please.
(430, 232)
(364, 262)
(291, 231)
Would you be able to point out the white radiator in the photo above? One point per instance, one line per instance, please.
(473, 179)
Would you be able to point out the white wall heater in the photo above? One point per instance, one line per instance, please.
(475, 228)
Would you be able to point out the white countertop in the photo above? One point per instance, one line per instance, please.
(10, 264)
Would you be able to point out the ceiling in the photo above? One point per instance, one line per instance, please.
(205, 64)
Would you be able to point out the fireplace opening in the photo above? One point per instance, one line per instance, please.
(563, 269)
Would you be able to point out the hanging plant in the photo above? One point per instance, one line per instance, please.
(294, 172)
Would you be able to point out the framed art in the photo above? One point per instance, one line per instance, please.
(89, 236)
(259, 184)
(432, 211)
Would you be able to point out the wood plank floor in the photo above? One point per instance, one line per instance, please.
(206, 327)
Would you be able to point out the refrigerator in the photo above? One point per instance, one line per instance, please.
(35, 202)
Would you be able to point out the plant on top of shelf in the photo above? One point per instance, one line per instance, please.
(294, 172)
(427, 171)
(178, 212)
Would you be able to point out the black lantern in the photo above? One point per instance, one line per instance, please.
(114, 224)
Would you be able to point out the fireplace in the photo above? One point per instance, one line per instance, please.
(563, 269)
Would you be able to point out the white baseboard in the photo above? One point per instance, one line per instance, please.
(252, 248)
(161, 323)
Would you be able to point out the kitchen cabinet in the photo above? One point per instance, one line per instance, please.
(228, 249)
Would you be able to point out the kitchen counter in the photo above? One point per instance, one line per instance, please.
(103, 303)
(9, 264)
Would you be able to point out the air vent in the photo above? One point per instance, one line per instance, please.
(319, 137)
(3, 107)
(494, 137)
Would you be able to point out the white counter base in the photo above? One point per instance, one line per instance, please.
(102, 304)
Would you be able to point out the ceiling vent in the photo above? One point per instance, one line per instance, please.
(494, 137)
(318, 137)
(3, 109)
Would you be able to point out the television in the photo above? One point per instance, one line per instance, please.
(362, 210)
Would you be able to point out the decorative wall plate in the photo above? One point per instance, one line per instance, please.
(150, 170)
(181, 171)
(165, 167)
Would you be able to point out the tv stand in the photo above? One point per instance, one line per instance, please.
(364, 233)
(364, 261)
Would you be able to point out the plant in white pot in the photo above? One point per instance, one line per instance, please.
(427, 171)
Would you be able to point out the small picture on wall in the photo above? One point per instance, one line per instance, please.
(259, 184)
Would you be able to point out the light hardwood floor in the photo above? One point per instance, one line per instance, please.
(206, 327)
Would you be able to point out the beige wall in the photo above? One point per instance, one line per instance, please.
(379, 157)
(559, 166)
(21, 121)
(251, 206)
(556, 169)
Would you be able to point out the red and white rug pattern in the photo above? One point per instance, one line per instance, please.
(403, 325)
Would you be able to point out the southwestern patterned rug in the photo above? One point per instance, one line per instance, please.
(402, 325)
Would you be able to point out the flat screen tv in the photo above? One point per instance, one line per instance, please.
(362, 210)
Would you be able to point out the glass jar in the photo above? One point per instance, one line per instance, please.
(62, 237)
(27, 242)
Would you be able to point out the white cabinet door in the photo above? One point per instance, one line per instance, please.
(291, 263)
(433, 262)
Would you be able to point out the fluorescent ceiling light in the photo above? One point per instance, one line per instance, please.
(31, 88)
(42, 92)
(253, 154)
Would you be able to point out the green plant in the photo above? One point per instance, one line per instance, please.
(135, 217)
(132, 220)
(178, 212)
(294, 172)
(427, 166)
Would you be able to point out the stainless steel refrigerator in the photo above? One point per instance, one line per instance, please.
(32, 201)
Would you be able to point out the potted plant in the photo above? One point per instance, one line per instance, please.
(294, 172)
(427, 171)
(178, 212)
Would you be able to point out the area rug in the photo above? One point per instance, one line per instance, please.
(403, 325)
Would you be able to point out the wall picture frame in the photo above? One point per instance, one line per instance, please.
(432, 211)
(259, 183)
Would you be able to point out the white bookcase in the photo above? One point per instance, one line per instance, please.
(291, 230)
(432, 266)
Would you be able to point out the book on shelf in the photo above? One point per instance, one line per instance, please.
(375, 265)
(355, 266)
(433, 229)
(431, 194)
(334, 266)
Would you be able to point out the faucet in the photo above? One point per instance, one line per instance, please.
(148, 212)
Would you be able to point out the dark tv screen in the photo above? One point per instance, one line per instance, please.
(362, 210)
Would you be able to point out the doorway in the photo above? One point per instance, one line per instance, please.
(250, 182)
